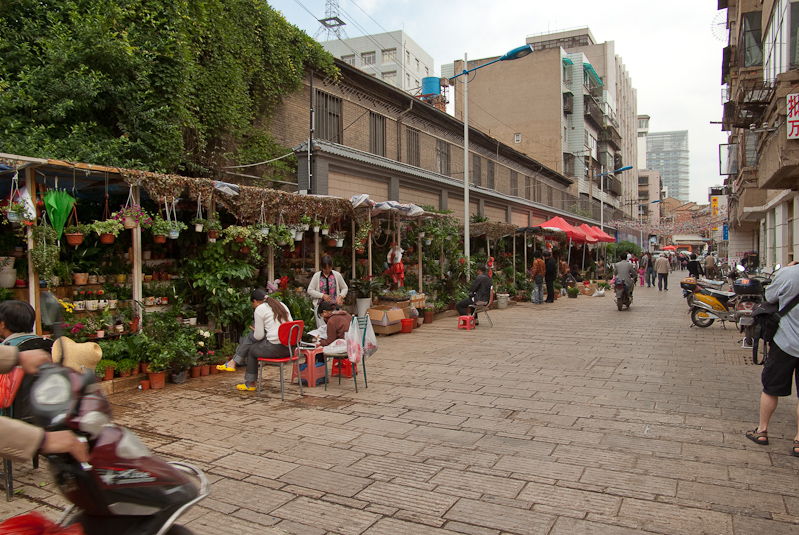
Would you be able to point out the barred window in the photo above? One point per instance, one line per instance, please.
(390, 55)
(377, 134)
(477, 178)
(528, 188)
(328, 124)
(412, 146)
(442, 157)
(390, 77)
(368, 58)
(514, 183)
(490, 174)
(350, 60)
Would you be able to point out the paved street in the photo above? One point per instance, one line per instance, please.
(561, 419)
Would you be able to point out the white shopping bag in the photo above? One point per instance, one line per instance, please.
(353, 338)
(336, 349)
(370, 343)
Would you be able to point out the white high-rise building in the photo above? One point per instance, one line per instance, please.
(668, 153)
(393, 57)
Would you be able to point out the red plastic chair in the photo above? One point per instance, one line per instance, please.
(290, 335)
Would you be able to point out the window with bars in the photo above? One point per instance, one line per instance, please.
(390, 55)
(349, 59)
(442, 157)
(377, 134)
(327, 112)
(368, 58)
(514, 183)
(390, 77)
(477, 178)
(490, 174)
(412, 146)
(528, 188)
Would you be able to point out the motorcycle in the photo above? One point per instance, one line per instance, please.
(623, 294)
(708, 305)
(690, 285)
(124, 489)
(752, 292)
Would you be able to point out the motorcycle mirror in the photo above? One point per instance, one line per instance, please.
(740, 268)
(778, 266)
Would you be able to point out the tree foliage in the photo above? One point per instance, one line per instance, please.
(163, 85)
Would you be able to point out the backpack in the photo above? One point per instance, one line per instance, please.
(766, 321)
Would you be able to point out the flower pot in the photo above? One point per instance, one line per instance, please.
(502, 300)
(213, 234)
(157, 380)
(129, 222)
(239, 239)
(159, 238)
(428, 241)
(198, 228)
(91, 304)
(205, 369)
(80, 279)
(120, 278)
(124, 374)
(359, 250)
(265, 231)
(80, 305)
(325, 231)
(147, 254)
(281, 243)
(92, 279)
(13, 217)
(101, 304)
(74, 239)
(316, 229)
(149, 301)
(178, 378)
(340, 243)
(298, 234)
(305, 227)
(148, 278)
(143, 366)
(244, 250)
(428, 316)
(107, 238)
(195, 372)
(19, 283)
(164, 300)
(109, 373)
(362, 304)
(192, 321)
(572, 296)
(118, 328)
(145, 385)
(173, 234)
(213, 370)
(332, 243)
(101, 334)
(134, 325)
(101, 279)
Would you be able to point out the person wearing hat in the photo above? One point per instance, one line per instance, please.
(326, 285)
(263, 342)
(338, 322)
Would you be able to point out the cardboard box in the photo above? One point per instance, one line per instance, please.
(384, 315)
(385, 329)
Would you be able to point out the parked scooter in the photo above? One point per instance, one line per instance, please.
(751, 290)
(624, 296)
(124, 489)
(691, 285)
(708, 305)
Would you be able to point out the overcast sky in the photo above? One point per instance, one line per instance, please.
(672, 50)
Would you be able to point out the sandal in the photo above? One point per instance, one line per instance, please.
(795, 448)
(244, 386)
(224, 368)
(762, 438)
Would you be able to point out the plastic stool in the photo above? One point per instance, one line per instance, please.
(311, 373)
(466, 322)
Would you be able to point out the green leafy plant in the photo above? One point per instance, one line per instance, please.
(102, 365)
(108, 226)
(573, 292)
(77, 229)
(366, 286)
(162, 227)
(125, 365)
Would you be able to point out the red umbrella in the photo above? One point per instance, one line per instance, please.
(590, 232)
(575, 234)
(602, 235)
(670, 248)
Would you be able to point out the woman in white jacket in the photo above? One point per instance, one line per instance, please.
(327, 285)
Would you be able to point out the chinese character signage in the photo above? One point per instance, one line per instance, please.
(714, 207)
(726, 232)
(793, 116)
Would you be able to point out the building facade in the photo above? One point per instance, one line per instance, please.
(392, 57)
(761, 159)
(668, 153)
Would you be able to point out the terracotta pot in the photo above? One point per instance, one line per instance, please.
(148, 278)
(134, 324)
(213, 234)
(145, 385)
(359, 250)
(109, 373)
(158, 238)
(213, 370)
(205, 369)
(74, 239)
(195, 372)
(143, 366)
(137, 369)
(129, 223)
(107, 238)
(239, 239)
(80, 279)
(428, 316)
(245, 250)
(331, 243)
(157, 379)
(124, 374)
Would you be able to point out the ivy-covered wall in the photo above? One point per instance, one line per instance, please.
(163, 85)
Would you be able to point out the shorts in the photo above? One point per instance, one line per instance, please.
(778, 370)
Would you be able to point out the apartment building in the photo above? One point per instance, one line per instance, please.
(392, 57)
(571, 105)
(761, 159)
(369, 137)
(668, 152)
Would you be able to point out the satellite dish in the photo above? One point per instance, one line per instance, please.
(719, 26)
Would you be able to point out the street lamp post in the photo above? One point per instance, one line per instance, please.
(516, 53)
(603, 174)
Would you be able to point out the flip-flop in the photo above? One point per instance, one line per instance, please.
(244, 387)
(760, 438)
(224, 368)
(794, 449)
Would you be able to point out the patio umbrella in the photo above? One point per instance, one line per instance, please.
(670, 248)
(590, 233)
(575, 234)
(602, 235)
(59, 204)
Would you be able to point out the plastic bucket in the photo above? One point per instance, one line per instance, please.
(407, 325)
(502, 300)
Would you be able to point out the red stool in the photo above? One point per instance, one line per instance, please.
(312, 372)
(466, 322)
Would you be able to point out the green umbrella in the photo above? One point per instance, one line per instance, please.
(59, 205)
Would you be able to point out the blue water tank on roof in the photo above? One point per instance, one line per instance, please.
(431, 85)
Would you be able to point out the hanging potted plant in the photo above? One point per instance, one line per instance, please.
(264, 228)
(75, 234)
(299, 232)
(237, 233)
(364, 228)
(213, 226)
(16, 212)
(339, 237)
(108, 230)
(45, 255)
(199, 224)
(162, 228)
(315, 224)
(132, 216)
(305, 223)
(324, 228)
(283, 235)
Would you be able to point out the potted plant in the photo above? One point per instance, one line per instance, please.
(45, 255)
(75, 234)
(364, 288)
(315, 224)
(105, 369)
(428, 314)
(339, 237)
(573, 292)
(108, 230)
(132, 216)
(126, 366)
(213, 226)
(324, 228)
(305, 222)
(162, 229)
(283, 235)
(157, 366)
(16, 212)
(237, 233)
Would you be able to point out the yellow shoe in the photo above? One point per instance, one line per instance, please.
(224, 368)
(244, 387)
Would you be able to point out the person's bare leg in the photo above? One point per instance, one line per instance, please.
(768, 404)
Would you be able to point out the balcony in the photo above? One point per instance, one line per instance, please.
(593, 111)
(568, 103)
(613, 185)
(610, 135)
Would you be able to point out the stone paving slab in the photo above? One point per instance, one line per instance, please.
(561, 419)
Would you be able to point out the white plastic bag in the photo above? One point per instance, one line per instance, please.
(353, 338)
(337, 349)
(599, 292)
(370, 343)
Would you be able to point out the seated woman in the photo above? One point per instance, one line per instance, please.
(338, 322)
(571, 278)
(263, 342)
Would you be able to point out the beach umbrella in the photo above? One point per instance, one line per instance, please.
(59, 204)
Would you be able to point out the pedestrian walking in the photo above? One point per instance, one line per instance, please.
(549, 276)
(694, 267)
(662, 268)
(781, 368)
(538, 272)
(710, 266)
(649, 276)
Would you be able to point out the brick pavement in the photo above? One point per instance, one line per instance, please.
(564, 418)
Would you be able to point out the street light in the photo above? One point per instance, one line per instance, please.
(602, 191)
(516, 53)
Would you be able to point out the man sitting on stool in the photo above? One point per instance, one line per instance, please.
(480, 292)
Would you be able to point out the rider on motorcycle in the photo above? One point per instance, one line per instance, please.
(625, 271)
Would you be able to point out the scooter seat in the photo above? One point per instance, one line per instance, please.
(720, 293)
